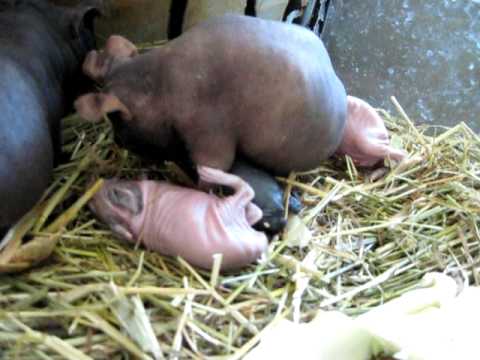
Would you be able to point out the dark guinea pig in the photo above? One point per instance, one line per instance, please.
(268, 196)
(264, 89)
(42, 47)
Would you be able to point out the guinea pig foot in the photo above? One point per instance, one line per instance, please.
(122, 233)
(243, 193)
(365, 137)
(208, 174)
(219, 177)
(253, 213)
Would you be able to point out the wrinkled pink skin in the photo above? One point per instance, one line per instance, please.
(365, 138)
(174, 220)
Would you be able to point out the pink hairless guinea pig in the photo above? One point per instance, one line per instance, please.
(174, 220)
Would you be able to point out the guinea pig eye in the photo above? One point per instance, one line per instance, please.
(126, 198)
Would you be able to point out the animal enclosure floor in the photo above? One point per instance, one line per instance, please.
(373, 236)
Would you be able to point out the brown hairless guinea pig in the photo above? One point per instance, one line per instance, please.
(233, 83)
(174, 220)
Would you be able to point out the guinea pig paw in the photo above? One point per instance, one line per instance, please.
(253, 214)
(379, 152)
(219, 177)
(122, 233)
(209, 175)
(396, 154)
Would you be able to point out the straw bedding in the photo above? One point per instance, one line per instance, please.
(371, 236)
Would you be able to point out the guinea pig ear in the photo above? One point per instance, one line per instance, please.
(117, 50)
(85, 13)
(93, 107)
(96, 65)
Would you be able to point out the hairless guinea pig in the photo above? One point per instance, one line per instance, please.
(233, 84)
(175, 220)
(42, 48)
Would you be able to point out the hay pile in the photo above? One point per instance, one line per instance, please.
(373, 236)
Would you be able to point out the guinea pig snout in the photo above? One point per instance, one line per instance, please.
(272, 224)
(99, 204)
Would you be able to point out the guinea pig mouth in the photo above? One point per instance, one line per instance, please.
(271, 224)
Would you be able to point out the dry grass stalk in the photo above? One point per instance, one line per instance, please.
(373, 235)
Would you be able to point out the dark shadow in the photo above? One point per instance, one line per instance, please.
(175, 22)
(250, 8)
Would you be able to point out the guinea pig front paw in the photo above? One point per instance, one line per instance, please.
(253, 214)
(208, 174)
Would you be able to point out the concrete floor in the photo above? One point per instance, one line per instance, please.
(425, 52)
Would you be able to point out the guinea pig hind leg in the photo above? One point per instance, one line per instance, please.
(212, 148)
(253, 213)
(243, 193)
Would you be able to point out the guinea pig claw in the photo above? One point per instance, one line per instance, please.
(122, 233)
(396, 154)
(377, 152)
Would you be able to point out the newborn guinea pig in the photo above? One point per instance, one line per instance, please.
(268, 196)
(178, 221)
